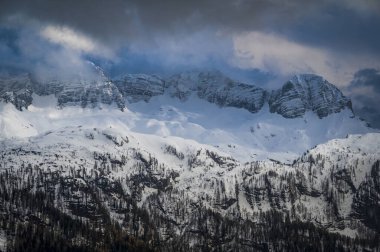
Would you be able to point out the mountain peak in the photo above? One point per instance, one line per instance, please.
(308, 92)
(307, 77)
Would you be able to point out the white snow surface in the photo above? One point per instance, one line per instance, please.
(245, 136)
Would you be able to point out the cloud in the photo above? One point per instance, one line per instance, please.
(273, 53)
(333, 38)
(276, 54)
(45, 55)
(67, 37)
(118, 22)
(365, 93)
(252, 40)
(192, 50)
(363, 7)
(369, 78)
(74, 40)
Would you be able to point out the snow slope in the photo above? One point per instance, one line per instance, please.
(244, 135)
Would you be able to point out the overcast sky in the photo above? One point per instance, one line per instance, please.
(259, 41)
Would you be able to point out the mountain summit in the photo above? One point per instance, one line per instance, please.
(308, 92)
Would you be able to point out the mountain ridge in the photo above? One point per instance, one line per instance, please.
(193, 162)
(302, 93)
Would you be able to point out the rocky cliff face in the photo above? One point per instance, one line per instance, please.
(300, 94)
(77, 91)
(16, 90)
(219, 89)
(307, 92)
(367, 194)
(137, 87)
(89, 94)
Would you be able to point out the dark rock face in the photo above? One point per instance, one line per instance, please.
(90, 94)
(218, 89)
(49, 87)
(16, 90)
(307, 92)
(302, 93)
(137, 87)
(366, 202)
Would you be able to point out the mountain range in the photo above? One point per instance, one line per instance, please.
(302, 93)
(192, 162)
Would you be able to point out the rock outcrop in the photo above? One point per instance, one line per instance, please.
(137, 87)
(219, 89)
(307, 92)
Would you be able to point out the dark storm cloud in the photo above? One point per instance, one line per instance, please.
(367, 78)
(365, 93)
(105, 18)
(201, 31)
(119, 22)
(340, 28)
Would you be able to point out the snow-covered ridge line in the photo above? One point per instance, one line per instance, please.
(301, 94)
(206, 107)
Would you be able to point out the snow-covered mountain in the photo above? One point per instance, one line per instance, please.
(92, 174)
(308, 93)
(192, 162)
(207, 107)
(301, 94)
(76, 90)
